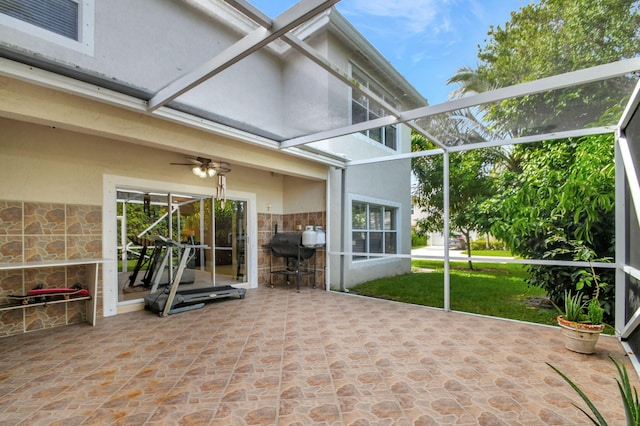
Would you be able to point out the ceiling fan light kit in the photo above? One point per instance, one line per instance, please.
(206, 168)
(204, 172)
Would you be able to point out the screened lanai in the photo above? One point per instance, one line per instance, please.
(209, 92)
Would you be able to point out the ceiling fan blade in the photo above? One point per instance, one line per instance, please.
(206, 163)
(199, 161)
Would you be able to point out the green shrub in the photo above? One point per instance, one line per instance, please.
(418, 240)
(481, 244)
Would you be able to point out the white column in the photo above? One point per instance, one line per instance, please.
(445, 191)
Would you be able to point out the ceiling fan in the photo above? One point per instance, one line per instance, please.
(205, 167)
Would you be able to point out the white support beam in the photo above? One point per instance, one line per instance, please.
(343, 76)
(574, 78)
(427, 135)
(631, 107)
(251, 11)
(620, 233)
(630, 172)
(480, 259)
(445, 233)
(570, 79)
(489, 144)
(631, 326)
(341, 131)
(626, 176)
(536, 138)
(623, 329)
(252, 42)
(393, 157)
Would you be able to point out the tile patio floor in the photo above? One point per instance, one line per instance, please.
(279, 357)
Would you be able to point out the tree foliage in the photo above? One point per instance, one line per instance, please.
(470, 183)
(139, 219)
(554, 37)
(565, 187)
(556, 187)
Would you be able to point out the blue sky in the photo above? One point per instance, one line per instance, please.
(425, 40)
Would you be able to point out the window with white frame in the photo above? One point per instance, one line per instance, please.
(374, 229)
(364, 109)
(65, 22)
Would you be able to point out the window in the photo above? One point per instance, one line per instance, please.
(373, 229)
(65, 22)
(364, 109)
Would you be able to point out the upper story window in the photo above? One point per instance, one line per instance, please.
(58, 16)
(374, 229)
(364, 109)
(65, 22)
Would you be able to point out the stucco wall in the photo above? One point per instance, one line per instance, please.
(46, 164)
(383, 183)
(42, 164)
(301, 195)
(55, 108)
(144, 44)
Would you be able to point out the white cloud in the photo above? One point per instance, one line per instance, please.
(416, 16)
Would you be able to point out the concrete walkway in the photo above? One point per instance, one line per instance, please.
(454, 255)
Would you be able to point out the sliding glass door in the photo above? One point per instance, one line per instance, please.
(149, 221)
(230, 242)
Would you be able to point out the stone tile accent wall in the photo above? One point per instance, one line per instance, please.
(267, 223)
(37, 232)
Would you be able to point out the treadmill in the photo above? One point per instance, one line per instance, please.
(172, 299)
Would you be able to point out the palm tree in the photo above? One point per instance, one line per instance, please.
(469, 83)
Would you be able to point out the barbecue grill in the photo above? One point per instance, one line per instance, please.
(288, 245)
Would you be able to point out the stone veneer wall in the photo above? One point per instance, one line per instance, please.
(287, 223)
(38, 232)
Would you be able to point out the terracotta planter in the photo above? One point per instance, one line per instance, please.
(579, 337)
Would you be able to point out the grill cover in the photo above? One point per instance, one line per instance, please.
(287, 244)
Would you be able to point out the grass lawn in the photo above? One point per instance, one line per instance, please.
(491, 289)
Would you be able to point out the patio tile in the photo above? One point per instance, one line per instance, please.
(243, 412)
(281, 357)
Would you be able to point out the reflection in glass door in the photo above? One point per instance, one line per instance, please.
(192, 224)
(145, 216)
(230, 242)
(145, 219)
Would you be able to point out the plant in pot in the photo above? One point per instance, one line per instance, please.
(581, 321)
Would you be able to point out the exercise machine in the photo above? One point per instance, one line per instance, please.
(145, 261)
(172, 299)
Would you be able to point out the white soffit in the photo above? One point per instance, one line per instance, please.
(75, 87)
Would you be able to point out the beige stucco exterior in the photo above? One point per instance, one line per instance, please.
(77, 130)
(53, 108)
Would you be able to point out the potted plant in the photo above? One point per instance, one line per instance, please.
(581, 321)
